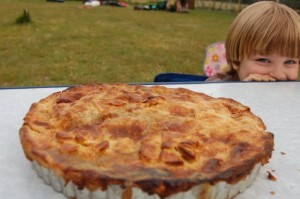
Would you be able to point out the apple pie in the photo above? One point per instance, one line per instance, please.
(132, 141)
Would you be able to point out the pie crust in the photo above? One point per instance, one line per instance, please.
(133, 141)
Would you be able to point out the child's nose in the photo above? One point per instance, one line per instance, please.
(278, 73)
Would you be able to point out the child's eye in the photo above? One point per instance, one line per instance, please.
(291, 62)
(263, 60)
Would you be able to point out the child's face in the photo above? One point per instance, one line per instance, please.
(272, 67)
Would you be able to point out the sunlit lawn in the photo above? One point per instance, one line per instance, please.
(66, 44)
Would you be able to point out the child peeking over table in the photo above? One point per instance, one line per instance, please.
(262, 44)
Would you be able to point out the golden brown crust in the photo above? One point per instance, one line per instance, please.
(158, 139)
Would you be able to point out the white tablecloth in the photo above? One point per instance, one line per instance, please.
(278, 104)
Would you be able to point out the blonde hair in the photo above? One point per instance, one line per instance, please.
(263, 28)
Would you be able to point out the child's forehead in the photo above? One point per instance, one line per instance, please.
(283, 46)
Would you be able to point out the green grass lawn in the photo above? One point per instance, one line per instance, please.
(66, 44)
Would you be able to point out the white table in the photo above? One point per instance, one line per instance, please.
(278, 104)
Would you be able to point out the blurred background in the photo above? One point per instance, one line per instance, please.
(57, 42)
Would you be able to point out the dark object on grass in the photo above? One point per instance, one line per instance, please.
(159, 5)
(24, 18)
(114, 3)
(59, 1)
